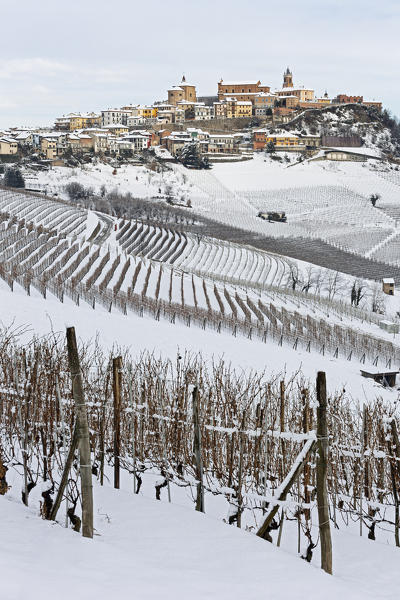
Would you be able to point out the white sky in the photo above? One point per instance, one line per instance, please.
(92, 54)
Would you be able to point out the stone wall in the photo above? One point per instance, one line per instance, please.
(215, 125)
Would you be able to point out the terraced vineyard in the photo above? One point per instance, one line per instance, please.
(320, 217)
(136, 266)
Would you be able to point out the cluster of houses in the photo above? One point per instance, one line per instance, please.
(131, 129)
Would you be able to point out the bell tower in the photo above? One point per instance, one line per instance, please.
(287, 79)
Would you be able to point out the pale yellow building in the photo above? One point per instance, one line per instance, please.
(8, 146)
(48, 147)
(288, 89)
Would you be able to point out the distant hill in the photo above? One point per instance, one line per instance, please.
(377, 129)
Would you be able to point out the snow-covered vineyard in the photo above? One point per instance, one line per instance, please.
(131, 265)
(329, 203)
(248, 454)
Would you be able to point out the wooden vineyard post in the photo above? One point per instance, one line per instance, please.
(82, 434)
(282, 443)
(164, 438)
(117, 368)
(395, 474)
(322, 467)
(197, 451)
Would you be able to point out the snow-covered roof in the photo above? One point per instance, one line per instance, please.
(374, 153)
(115, 126)
(242, 93)
(389, 280)
(240, 82)
(287, 134)
(299, 88)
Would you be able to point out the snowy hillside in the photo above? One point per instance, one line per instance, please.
(146, 548)
(376, 129)
(327, 201)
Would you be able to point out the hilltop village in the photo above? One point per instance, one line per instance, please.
(243, 117)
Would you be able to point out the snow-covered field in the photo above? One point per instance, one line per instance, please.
(322, 199)
(147, 549)
(37, 316)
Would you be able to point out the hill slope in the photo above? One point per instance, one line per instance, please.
(149, 549)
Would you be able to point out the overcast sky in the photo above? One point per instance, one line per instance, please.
(84, 55)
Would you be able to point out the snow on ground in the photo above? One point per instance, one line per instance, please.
(41, 317)
(148, 549)
(138, 180)
(322, 199)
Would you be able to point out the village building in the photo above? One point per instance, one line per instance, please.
(373, 104)
(62, 123)
(166, 113)
(117, 129)
(8, 146)
(135, 121)
(241, 90)
(388, 286)
(264, 103)
(288, 89)
(175, 142)
(221, 144)
(183, 91)
(24, 138)
(100, 142)
(283, 141)
(74, 121)
(202, 112)
(48, 147)
(348, 154)
(138, 140)
(114, 116)
(230, 108)
(345, 99)
(147, 112)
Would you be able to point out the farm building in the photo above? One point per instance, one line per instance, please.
(389, 326)
(386, 378)
(388, 286)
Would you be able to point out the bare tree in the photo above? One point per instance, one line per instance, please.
(293, 277)
(334, 284)
(319, 280)
(308, 280)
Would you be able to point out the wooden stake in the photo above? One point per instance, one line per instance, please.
(322, 467)
(117, 368)
(164, 438)
(83, 434)
(197, 451)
